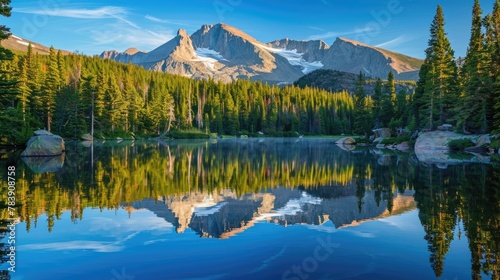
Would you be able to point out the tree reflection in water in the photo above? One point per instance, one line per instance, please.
(129, 174)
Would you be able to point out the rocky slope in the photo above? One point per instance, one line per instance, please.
(354, 57)
(19, 44)
(226, 53)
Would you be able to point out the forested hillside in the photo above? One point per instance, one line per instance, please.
(60, 92)
(333, 80)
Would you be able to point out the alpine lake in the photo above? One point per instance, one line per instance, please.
(250, 209)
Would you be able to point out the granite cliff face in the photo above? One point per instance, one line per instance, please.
(312, 51)
(225, 53)
(354, 57)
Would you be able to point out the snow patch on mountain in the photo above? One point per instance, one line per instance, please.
(208, 57)
(23, 43)
(295, 59)
(292, 207)
(207, 211)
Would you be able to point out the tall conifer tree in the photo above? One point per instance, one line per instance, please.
(495, 65)
(474, 77)
(437, 87)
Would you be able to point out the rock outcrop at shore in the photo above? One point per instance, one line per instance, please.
(44, 144)
(431, 147)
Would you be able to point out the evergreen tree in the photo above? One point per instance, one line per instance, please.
(6, 56)
(23, 89)
(474, 111)
(437, 86)
(115, 105)
(51, 87)
(494, 43)
(7, 79)
(377, 103)
(362, 121)
(34, 84)
(170, 111)
(388, 98)
(135, 105)
(60, 67)
(419, 100)
(4, 11)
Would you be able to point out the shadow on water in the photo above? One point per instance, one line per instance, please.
(219, 188)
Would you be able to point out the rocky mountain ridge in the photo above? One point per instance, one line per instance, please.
(225, 53)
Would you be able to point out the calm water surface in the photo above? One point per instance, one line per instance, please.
(252, 209)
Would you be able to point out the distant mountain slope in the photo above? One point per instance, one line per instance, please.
(226, 53)
(336, 81)
(353, 57)
(19, 44)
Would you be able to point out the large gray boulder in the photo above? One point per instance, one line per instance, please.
(431, 147)
(44, 144)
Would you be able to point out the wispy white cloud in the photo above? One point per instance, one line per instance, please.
(123, 19)
(111, 26)
(117, 34)
(155, 19)
(107, 12)
(317, 28)
(360, 30)
(392, 43)
(323, 36)
(168, 21)
(328, 35)
(103, 12)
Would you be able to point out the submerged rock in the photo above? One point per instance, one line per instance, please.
(44, 144)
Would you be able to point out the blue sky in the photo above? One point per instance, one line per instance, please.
(92, 27)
